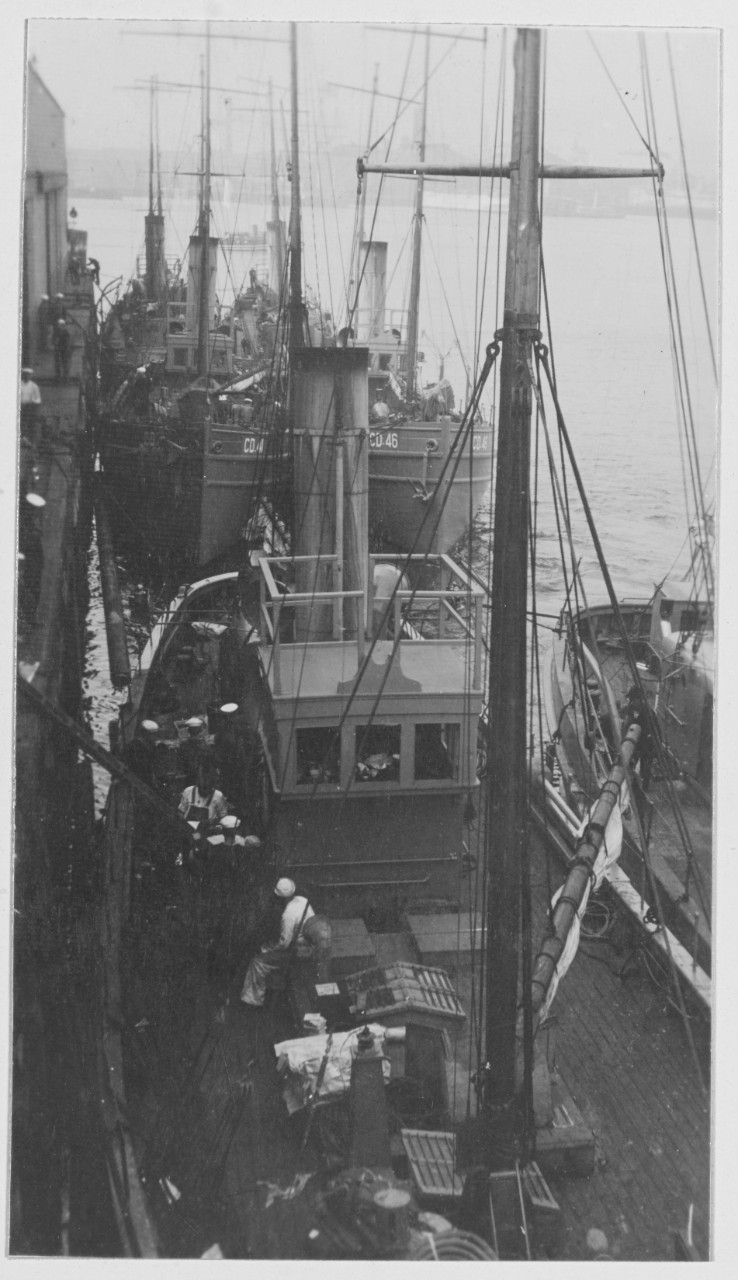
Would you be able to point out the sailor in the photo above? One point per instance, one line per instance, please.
(388, 580)
(62, 350)
(236, 749)
(194, 750)
(301, 933)
(93, 270)
(30, 399)
(140, 389)
(202, 806)
(140, 756)
(57, 310)
(225, 895)
(30, 544)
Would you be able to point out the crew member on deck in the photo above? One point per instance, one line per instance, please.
(57, 310)
(202, 805)
(301, 933)
(30, 400)
(194, 751)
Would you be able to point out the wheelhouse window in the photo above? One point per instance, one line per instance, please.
(436, 751)
(318, 755)
(377, 753)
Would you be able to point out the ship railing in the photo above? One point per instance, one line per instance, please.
(380, 337)
(441, 602)
(170, 259)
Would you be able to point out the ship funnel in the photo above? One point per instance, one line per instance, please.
(193, 280)
(156, 267)
(375, 279)
(330, 416)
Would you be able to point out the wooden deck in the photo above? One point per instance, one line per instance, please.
(210, 1118)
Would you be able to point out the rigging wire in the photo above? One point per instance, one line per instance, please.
(622, 101)
(624, 636)
(677, 336)
(354, 248)
(687, 187)
(477, 318)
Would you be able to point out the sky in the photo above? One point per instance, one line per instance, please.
(98, 70)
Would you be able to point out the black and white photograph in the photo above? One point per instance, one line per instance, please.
(367, 499)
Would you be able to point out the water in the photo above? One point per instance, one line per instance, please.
(101, 698)
(611, 344)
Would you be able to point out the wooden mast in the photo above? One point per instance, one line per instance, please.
(203, 314)
(414, 307)
(275, 225)
(355, 281)
(296, 309)
(507, 804)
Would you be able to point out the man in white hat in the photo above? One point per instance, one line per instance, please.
(274, 957)
(30, 401)
(194, 750)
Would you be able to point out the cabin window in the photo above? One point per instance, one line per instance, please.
(377, 753)
(318, 755)
(436, 751)
(688, 620)
(179, 357)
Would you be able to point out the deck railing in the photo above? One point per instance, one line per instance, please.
(441, 601)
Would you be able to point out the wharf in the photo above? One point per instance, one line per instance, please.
(53, 800)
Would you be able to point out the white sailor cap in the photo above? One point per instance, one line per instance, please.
(35, 500)
(229, 708)
(252, 842)
(60, 295)
(27, 369)
(194, 722)
(284, 888)
(229, 822)
(150, 726)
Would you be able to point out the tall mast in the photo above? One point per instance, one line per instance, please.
(356, 273)
(151, 147)
(275, 225)
(412, 319)
(507, 805)
(296, 310)
(158, 162)
(203, 319)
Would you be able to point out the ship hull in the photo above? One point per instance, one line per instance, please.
(424, 493)
(669, 884)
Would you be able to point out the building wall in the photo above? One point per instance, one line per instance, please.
(44, 205)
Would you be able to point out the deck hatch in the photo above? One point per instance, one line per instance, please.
(432, 1159)
(403, 988)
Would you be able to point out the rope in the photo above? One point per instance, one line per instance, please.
(452, 1246)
